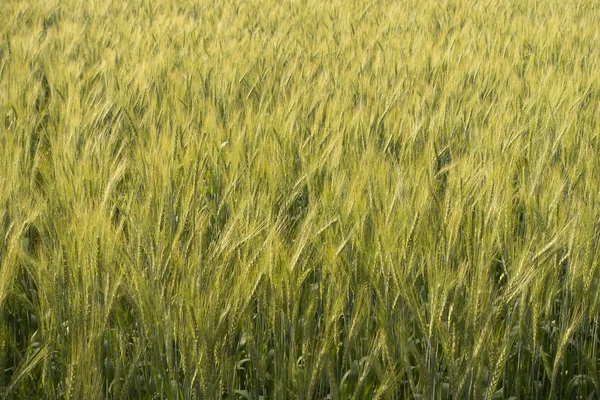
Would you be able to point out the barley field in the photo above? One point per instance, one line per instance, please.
(300, 199)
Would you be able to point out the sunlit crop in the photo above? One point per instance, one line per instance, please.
(299, 199)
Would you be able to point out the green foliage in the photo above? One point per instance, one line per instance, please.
(299, 199)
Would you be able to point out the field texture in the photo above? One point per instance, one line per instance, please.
(300, 199)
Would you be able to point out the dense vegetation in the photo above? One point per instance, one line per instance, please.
(299, 199)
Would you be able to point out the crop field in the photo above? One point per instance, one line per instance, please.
(300, 199)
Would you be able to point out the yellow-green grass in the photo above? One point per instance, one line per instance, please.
(299, 199)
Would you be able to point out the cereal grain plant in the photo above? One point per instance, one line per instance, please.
(299, 199)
